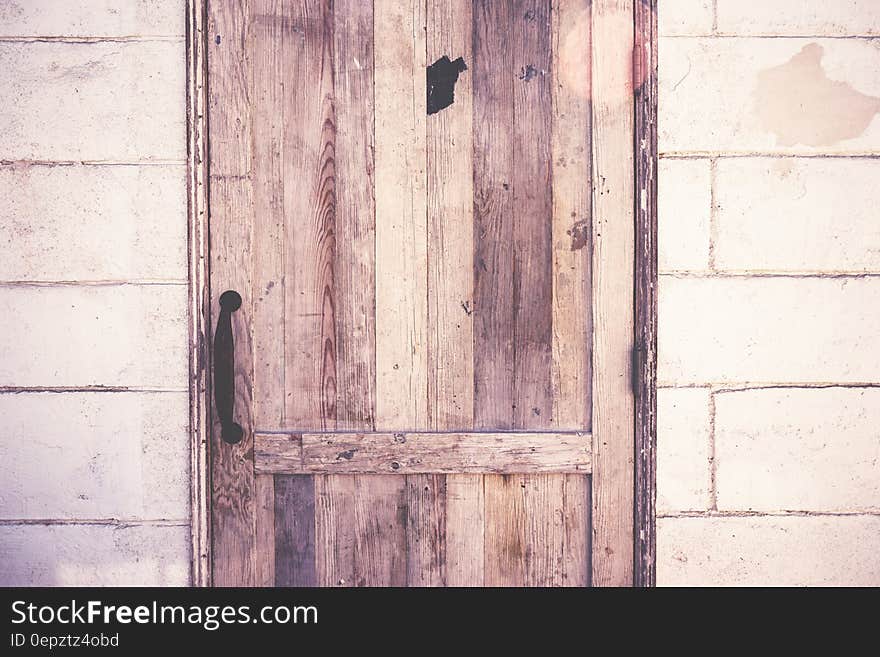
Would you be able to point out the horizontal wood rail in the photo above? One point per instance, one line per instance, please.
(421, 453)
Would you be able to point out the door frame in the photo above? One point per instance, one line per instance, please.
(644, 277)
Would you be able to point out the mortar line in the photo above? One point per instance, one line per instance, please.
(713, 219)
(719, 387)
(157, 38)
(714, 17)
(26, 162)
(704, 155)
(15, 390)
(730, 35)
(730, 274)
(769, 514)
(713, 466)
(95, 283)
(105, 522)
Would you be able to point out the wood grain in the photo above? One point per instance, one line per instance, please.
(310, 214)
(645, 62)
(505, 530)
(451, 227)
(422, 453)
(200, 310)
(450, 303)
(264, 541)
(230, 217)
(426, 552)
(267, 74)
(355, 209)
(465, 509)
(532, 206)
(494, 337)
(295, 531)
(401, 215)
(572, 214)
(613, 246)
(361, 530)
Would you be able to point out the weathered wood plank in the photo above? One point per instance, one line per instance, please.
(355, 225)
(423, 453)
(613, 248)
(493, 81)
(267, 73)
(230, 217)
(505, 530)
(401, 215)
(537, 533)
(572, 220)
(645, 62)
(532, 205)
(295, 531)
(426, 552)
(335, 557)
(464, 530)
(576, 530)
(310, 214)
(450, 206)
(361, 530)
(264, 542)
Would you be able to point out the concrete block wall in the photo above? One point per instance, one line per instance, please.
(93, 379)
(769, 364)
(769, 400)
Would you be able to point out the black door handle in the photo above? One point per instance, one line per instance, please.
(224, 368)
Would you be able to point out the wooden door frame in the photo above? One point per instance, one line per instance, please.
(644, 309)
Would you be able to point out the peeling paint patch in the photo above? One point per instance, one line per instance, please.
(441, 79)
(800, 104)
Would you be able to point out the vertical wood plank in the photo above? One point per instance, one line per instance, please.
(613, 247)
(576, 564)
(450, 204)
(310, 216)
(355, 227)
(494, 337)
(493, 229)
(401, 215)
(267, 73)
(265, 530)
(230, 220)
(361, 530)
(295, 530)
(532, 193)
(335, 530)
(572, 220)
(380, 512)
(645, 71)
(451, 227)
(464, 530)
(426, 530)
(504, 531)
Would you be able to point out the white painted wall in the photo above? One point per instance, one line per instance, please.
(95, 483)
(769, 411)
(769, 312)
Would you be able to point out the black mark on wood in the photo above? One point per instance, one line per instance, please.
(526, 73)
(579, 232)
(442, 76)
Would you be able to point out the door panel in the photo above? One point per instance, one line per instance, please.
(413, 353)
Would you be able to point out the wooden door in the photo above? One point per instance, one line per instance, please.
(426, 210)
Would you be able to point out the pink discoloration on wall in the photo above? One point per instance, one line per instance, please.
(800, 104)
